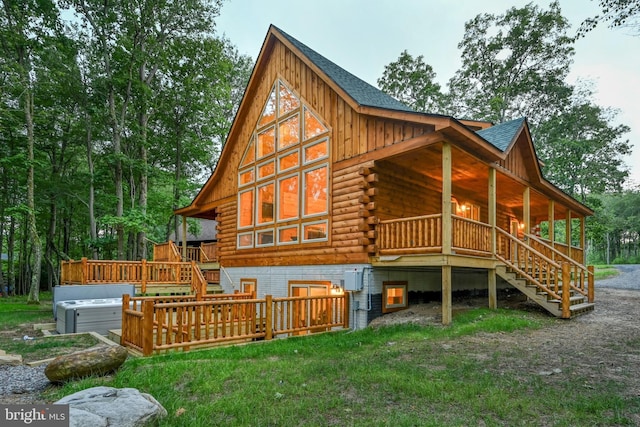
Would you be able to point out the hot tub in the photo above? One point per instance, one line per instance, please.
(97, 315)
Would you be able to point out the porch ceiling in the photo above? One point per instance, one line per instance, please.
(471, 181)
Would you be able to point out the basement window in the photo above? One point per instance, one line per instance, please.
(394, 296)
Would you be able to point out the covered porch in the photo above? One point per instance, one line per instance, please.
(438, 205)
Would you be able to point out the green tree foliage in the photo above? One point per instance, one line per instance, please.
(616, 13)
(614, 231)
(513, 65)
(114, 91)
(411, 81)
(582, 151)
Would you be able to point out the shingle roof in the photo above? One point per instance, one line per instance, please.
(502, 135)
(361, 92)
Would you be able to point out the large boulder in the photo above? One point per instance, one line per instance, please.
(108, 406)
(98, 360)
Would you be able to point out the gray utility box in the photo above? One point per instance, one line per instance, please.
(353, 280)
(97, 315)
(86, 292)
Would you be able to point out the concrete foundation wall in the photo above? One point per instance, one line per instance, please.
(424, 284)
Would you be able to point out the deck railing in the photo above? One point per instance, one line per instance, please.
(143, 273)
(469, 236)
(166, 251)
(170, 251)
(163, 323)
(421, 234)
(209, 252)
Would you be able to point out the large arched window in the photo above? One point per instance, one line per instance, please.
(283, 177)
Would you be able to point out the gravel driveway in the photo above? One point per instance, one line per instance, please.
(629, 278)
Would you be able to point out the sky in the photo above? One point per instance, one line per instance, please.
(362, 36)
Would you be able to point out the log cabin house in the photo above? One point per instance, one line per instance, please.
(326, 185)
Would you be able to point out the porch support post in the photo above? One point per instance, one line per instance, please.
(583, 240)
(552, 227)
(493, 292)
(526, 210)
(568, 232)
(446, 294)
(492, 207)
(184, 237)
(552, 220)
(446, 203)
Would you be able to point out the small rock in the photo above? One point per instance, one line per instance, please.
(557, 371)
(94, 361)
(11, 359)
(108, 406)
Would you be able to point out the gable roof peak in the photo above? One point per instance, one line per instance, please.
(502, 135)
(360, 91)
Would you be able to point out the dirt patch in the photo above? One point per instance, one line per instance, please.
(603, 345)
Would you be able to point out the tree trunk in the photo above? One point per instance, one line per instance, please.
(93, 227)
(11, 271)
(34, 288)
(50, 245)
(143, 190)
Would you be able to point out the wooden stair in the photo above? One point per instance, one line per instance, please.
(578, 302)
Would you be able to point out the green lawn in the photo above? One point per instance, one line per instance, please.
(16, 321)
(605, 271)
(394, 376)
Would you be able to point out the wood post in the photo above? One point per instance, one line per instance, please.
(492, 208)
(446, 201)
(526, 210)
(184, 237)
(591, 283)
(566, 290)
(583, 240)
(126, 326)
(446, 294)
(143, 279)
(568, 232)
(147, 327)
(268, 317)
(85, 271)
(552, 227)
(493, 293)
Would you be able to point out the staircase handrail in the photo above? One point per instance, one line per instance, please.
(566, 259)
(198, 281)
(535, 281)
(203, 255)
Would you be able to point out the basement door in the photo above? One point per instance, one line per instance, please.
(308, 312)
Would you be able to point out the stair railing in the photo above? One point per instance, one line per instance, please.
(537, 268)
(583, 278)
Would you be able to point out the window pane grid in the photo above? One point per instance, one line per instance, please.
(278, 189)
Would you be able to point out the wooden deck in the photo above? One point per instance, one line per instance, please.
(146, 275)
(156, 324)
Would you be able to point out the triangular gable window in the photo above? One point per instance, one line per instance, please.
(312, 125)
(269, 112)
(249, 155)
(288, 101)
(283, 177)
